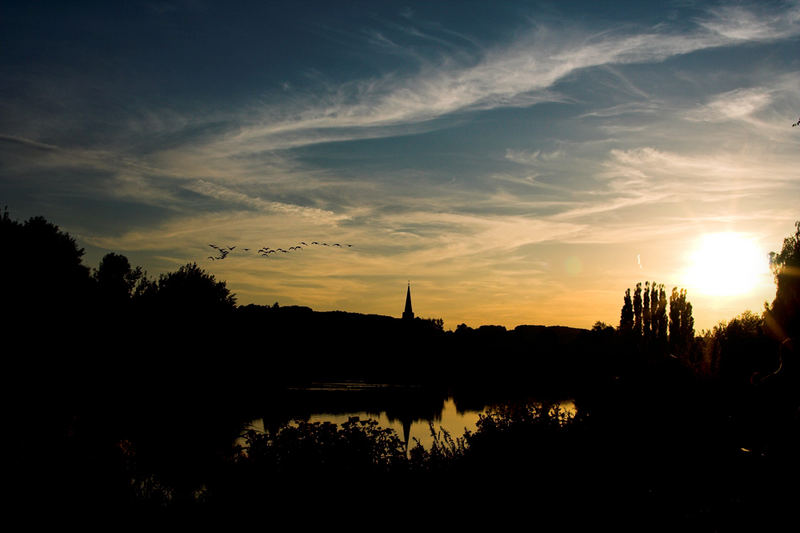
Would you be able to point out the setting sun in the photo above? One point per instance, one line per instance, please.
(726, 264)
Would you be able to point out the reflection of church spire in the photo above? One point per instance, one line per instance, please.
(408, 314)
(406, 421)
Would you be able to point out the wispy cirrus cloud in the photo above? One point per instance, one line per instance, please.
(521, 74)
(13, 139)
(226, 194)
(735, 104)
(720, 171)
(628, 108)
(702, 184)
(753, 23)
(532, 157)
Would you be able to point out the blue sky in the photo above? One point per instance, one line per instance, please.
(520, 163)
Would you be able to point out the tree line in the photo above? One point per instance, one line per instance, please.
(748, 348)
(644, 318)
(43, 271)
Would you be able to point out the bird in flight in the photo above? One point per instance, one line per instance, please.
(264, 251)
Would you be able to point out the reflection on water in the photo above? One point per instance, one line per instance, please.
(410, 411)
(448, 419)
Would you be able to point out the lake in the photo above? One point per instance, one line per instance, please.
(410, 411)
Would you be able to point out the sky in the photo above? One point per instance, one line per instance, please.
(516, 162)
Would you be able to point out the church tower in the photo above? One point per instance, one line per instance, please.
(408, 314)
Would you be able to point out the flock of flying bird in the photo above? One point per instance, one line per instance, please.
(796, 123)
(266, 250)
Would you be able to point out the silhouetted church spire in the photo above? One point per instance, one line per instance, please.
(408, 314)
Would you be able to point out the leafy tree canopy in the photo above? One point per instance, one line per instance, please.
(192, 289)
(785, 312)
(43, 268)
(117, 281)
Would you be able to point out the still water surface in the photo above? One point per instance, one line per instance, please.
(412, 412)
(449, 419)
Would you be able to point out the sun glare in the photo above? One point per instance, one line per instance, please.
(726, 264)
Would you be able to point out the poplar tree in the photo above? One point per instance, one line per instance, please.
(681, 324)
(626, 316)
(653, 310)
(646, 310)
(662, 313)
(674, 318)
(687, 321)
(637, 310)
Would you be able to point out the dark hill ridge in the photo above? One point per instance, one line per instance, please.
(561, 331)
(303, 312)
(296, 343)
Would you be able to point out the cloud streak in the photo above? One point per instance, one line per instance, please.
(736, 104)
(519, 75)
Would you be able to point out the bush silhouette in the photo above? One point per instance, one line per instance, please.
(192, 290)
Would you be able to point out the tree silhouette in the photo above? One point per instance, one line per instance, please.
(626, 315)
(637, 310)
(652, 306)
(653, 310)
(687, 321)
(646, 311)
(737, 348)
(43, 272)
(681, 322)
(661, 313)
(785, 311)
(674, 318)
(116, 281)
(191, 290)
